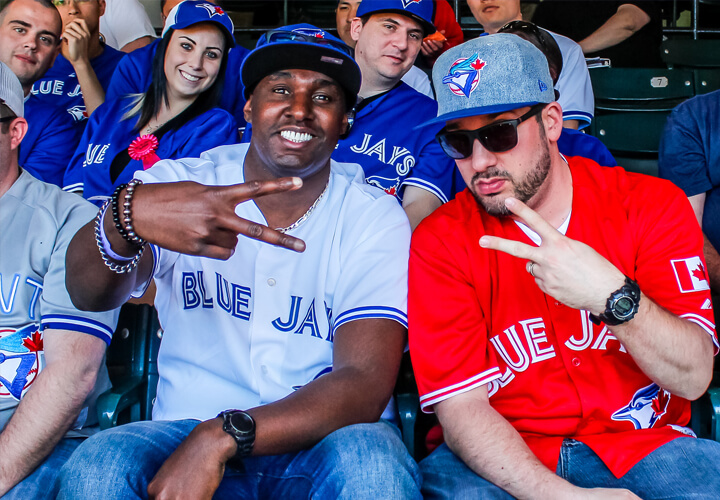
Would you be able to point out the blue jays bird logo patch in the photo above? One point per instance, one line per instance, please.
(407, 3)
(213, 10)
(464, 74)
(647, 406)
(19, 359)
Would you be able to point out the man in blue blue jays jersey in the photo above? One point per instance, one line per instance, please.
(134, 72)
(404, 161)
(29, 41)
(81, 73)
(50, 352)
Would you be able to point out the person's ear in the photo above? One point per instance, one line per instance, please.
(356, 28)
(18, 129)
(553, 120)
(247, 110)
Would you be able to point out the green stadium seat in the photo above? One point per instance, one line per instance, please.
(706, 80)
(691, 53)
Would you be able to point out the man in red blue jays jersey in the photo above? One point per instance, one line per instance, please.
(559, 312)
(403, 160)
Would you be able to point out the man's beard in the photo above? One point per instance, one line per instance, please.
(523, 190)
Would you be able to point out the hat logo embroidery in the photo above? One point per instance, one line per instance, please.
(408, 3)
(212, 10)
(542, 86)
(310, 32)
(464, 74)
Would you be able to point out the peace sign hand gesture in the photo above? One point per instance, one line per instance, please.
(568, 270)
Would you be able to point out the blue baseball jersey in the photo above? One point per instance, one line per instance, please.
(134, 74)
(50, 142)
(60, 86)
(394, 154)
(91, 168)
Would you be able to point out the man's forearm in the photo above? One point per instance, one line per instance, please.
(41, 419)
(622, 25)
(92, 91)
(675, 353)
(494, 450)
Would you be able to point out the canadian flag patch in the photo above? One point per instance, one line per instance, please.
(690, 274)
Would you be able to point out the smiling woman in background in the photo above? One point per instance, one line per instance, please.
(175, 118)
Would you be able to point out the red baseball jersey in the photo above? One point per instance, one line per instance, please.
(476, 317)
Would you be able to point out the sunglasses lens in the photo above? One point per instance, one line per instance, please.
(457, 145)
(500, 137)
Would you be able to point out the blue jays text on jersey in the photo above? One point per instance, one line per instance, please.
(393, 154)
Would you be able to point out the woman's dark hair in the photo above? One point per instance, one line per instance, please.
(157, 93)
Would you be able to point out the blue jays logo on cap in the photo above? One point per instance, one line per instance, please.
(213, 10)
(464, 74)
(317, 33)
(407, 3)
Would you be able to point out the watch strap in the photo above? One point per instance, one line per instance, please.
(630, 290)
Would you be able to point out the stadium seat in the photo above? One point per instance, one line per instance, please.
(706, 80)
(691, 53)
(131, 359)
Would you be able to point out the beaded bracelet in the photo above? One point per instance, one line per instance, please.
(114, 267)
(116, 211)
(132, 237)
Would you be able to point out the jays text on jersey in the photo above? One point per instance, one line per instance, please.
(60, 86)
(393, 154)
(134, 74)
(38, 221)
(252, 329)
(476, 317)
(50, 142)
(94, 167)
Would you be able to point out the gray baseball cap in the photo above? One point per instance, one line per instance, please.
(490, 74)
(11, 92)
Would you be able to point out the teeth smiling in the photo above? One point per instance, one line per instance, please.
(295, 136)
(190, 77)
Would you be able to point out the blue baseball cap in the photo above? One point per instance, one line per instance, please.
(490, 74)
(302, 46)
(419, 10)
(190, 12)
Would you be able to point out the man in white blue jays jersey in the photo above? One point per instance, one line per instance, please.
(301, 328)
(50, 352)
(576, 95)
(404, 161)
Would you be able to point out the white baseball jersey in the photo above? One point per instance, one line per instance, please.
(250, 330)
(38, 221)
(418, 79)
(576, 94)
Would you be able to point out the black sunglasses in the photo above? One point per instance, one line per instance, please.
(291, 36)
(497, 137)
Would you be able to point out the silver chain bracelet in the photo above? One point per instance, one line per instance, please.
(113, 266)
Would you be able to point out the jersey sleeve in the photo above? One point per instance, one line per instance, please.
(670, 266)
(58, 311)
(448, 331)
(434, 169)
(210, 130)
(129, 76)
(48, 158)
(576, 94)
(373, 280)
(682, 157)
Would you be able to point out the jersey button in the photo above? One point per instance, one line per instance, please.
(271, 282)
(576, 361)
(557, 304)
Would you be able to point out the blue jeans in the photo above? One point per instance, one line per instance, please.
(41, 484)
(682, 468)
(363, 461)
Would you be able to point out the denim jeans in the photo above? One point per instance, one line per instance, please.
(41, 483)
(681, 469)
(363, 461)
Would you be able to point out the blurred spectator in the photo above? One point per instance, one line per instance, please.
(80, 74)
(29, 41)
(571, 142)
(134, 73)
(629, 34)
(690, 157)
(175, 118)
(448, 27)
(126, 26)
(576, 96)
(344, 14)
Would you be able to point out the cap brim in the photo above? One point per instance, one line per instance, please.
(481, 110)
(428, 28)
(229, 36)
(279, 56)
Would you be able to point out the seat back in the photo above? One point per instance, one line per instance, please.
(680, 52)
(640, 89)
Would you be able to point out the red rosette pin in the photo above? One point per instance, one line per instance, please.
(143, 148)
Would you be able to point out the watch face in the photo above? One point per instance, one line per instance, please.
(623, 307)
(242, 422)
